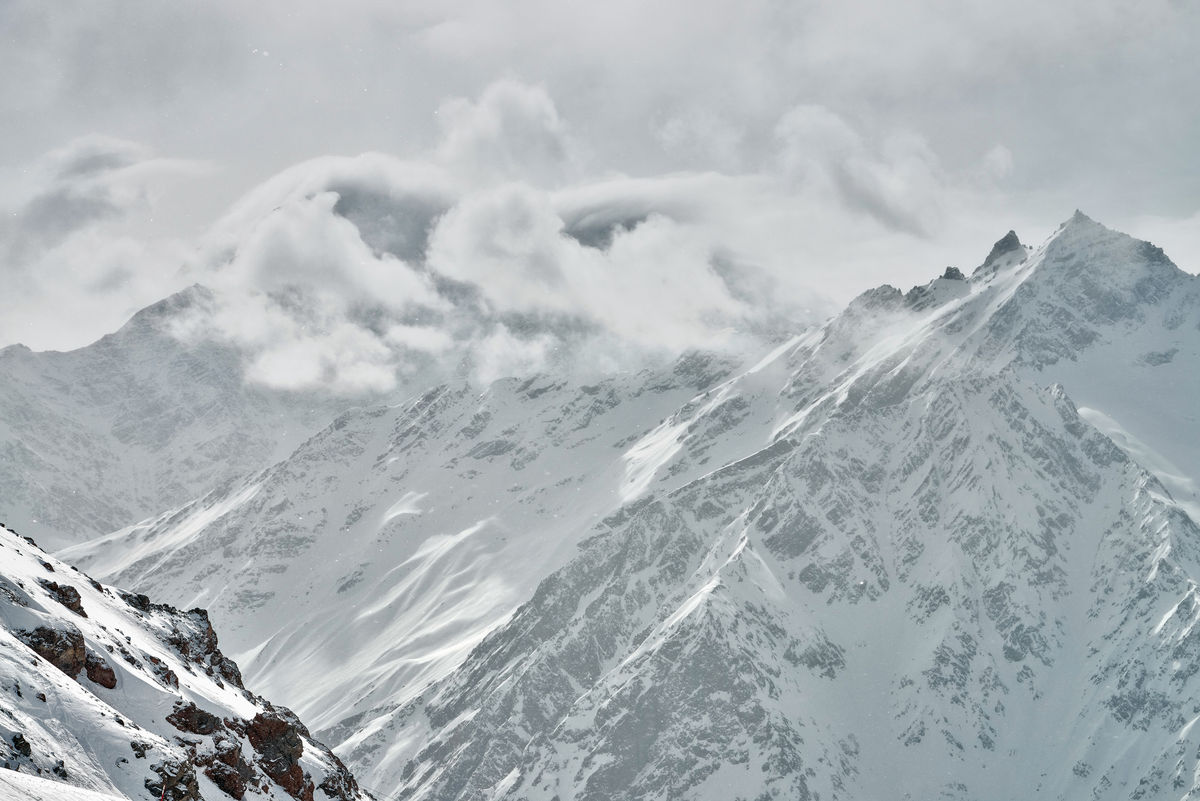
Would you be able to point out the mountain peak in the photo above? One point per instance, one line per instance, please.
(1004, 246)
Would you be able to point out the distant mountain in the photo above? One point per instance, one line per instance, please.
(942, 547)
(98, 438)
(106, 691)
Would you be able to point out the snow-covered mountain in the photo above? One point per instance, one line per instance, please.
(942, 547)
(102, 690)
(384, 548)
(101, 437)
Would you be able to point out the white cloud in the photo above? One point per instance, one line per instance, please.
(345, 359)
(513, 131)
(78, 245)
(732, 175)
(500, 354)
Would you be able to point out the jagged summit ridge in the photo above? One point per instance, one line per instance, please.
(1005, 246)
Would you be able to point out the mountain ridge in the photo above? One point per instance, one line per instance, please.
(911, 512)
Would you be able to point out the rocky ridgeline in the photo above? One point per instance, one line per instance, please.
(98, 663)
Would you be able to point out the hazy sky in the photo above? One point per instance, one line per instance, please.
(763, 159)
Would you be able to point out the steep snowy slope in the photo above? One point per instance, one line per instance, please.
(22, 787)
(935, 580)
(100, 437)
(105, 691)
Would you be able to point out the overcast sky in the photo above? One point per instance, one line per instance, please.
(765, 159)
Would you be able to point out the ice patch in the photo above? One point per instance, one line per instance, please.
(407, 505)
(504, 785)
(653, 451)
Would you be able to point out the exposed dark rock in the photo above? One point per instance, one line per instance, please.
(226, 767)
(192, 719)
(164, 673)
(339, 783)
(62, 648)
(1005, 245)
(99, 671)
(176, 782)
(227, 778)
(954, 274)
(21, 744)
(197, 643)
(278, 741)
(142, 603)
(66, 595)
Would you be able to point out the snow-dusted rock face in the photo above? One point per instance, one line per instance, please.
(105, 691)
(943, 547)
(935, 580)
(101, 437)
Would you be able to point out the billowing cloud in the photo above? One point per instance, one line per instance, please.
(73, 243)
(512, 132)
(361, 275)
(653, 285)
(899, 180)
(729, 177)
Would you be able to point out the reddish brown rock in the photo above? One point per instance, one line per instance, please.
(164, 673)
(192, 719)
(62, 648)
(278, 742)
(98, 671)
(176, 782)
(66, 595)
(227, 778)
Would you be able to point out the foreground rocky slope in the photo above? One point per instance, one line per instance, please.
(107, 691)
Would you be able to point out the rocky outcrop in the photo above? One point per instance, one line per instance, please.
(339, 783)
(278, 742)
(61, 647)
(195, 639)
(66, 595)
(176, 781)
(226, 766)
(1005, 245)
(187, 717)
(99, 671)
